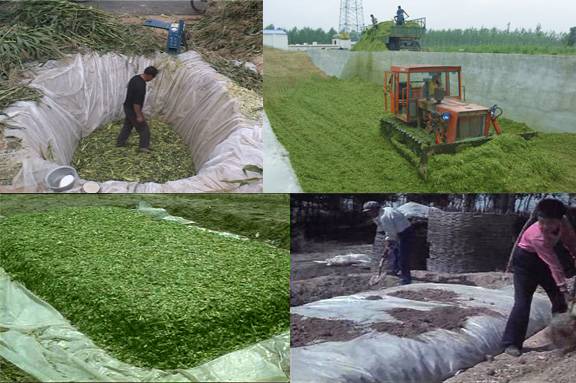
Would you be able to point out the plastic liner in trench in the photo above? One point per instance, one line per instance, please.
(84, 92)
(36, 338)
(361, 347)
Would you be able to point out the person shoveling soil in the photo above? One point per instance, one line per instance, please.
(97, 157)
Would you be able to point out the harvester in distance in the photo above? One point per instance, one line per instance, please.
(429, 115)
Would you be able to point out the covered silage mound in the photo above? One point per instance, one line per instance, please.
(84, 92)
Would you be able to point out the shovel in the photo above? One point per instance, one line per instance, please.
(376, 279)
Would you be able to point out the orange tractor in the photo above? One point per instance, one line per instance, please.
(430, 115)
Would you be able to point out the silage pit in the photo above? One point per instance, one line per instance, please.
(152, 293)
(98, 158)
(84, 94)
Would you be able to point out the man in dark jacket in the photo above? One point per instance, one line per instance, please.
(400, 16)
(133, 109)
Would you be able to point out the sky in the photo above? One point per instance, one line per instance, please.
(553, 15)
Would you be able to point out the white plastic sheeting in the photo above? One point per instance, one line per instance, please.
(279, 177)
(382, 357)
(415, 210)
(347, 260)
(40, 341)
(84, 92)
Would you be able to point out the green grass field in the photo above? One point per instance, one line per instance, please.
(263, 217)
(331, 129)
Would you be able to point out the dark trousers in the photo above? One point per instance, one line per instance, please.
(405, 239)
(129, 123)
(529, 272)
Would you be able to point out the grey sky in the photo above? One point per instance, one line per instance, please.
(553, 15)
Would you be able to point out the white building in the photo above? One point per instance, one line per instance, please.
(276, 39)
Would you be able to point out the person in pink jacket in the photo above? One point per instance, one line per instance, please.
(535, 263)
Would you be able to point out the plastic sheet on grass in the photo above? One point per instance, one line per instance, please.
(431, 357)
(84, 92)
(39, 340)
(159, 213)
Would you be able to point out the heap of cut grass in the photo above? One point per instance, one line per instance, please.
(229, 31)
(41, 30)
(374, 39)
(153, 293)
(330, 127)
(97, 158)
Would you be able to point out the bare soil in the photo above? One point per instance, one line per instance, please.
(315, 289)
(531, 367)
(417, 322)
(305, 331)
(312, 281)
(427, 295)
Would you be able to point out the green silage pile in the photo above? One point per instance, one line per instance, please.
(153, 293)
(40, 30)
(374, 39)
(97, 158)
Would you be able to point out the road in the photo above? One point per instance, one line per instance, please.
(138, 7)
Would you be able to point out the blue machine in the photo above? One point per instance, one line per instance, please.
(176, 34)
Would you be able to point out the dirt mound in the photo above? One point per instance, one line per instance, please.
(540, 367)
(427, 295)
(416, 322)
(305, 331)
(563, 331)
(325, 287)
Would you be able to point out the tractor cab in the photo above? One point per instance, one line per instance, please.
(406, 86)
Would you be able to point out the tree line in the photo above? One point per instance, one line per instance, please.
(445, 38)
(308, 35)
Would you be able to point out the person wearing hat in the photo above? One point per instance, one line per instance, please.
(535, 263)
(393, 235)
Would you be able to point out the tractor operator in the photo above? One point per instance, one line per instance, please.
(432, 85)
(133, 110)
(535, 262)
(395, 234)
(400, 16)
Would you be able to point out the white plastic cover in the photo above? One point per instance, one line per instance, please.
(347, 260)
(382, 357)
(415, 210)
(279, 177)
(83, 92)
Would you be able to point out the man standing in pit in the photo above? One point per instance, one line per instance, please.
(394, 236)
(133, 109)
(400, 16)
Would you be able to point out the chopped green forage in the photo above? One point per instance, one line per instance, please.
(153, 293)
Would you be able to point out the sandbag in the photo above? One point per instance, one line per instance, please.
(430, 357)
(84, 92)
